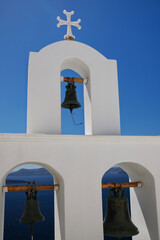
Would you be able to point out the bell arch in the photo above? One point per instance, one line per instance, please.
(58, 218)
(77, 65)
(145, 197)
(144, 215)
(72, 124)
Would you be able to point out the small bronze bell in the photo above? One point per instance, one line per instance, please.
(31, 212)
(70, 102)
(117, 221)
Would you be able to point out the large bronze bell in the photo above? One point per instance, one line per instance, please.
(70, 102)
(31, 212)
(117, 221)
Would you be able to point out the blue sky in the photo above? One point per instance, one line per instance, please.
(128, 31)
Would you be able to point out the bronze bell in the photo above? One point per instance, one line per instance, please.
(31, 212)
(70, 102)
(117, 221)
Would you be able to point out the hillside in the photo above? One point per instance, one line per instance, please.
(30, 172)
(43, 171)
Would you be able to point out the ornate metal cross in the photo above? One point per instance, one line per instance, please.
(69, 35)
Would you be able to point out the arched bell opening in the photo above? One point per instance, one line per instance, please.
(143, 205)
(72, 122)
(114, 175)
(143, 200)
(15, 203)
(75, 67)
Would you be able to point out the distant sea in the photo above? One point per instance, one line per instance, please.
(14, 203)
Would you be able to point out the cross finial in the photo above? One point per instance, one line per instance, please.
(69, 35)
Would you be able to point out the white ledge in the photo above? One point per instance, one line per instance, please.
(8, 137)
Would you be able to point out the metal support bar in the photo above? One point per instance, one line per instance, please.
(72, 79)
(123, 185)
(32, 187)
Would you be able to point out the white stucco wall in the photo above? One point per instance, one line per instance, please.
(101, 101)
(78, 203)
(79, 199)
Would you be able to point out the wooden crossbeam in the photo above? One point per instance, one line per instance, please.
(35, 187)
(73, 79)
(56, 187)
(123, 185)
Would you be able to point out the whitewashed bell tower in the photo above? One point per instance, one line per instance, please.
(44, 97)
(78, 162)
